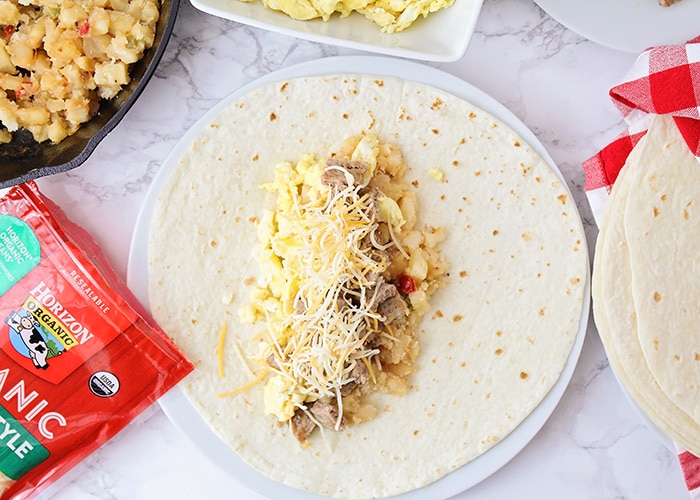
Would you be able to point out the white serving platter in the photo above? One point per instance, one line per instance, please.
(627, 25)
(187, 419)
(442, 36)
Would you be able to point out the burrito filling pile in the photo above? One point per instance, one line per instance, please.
(345, 272)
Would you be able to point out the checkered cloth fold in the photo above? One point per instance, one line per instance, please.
(663, 81)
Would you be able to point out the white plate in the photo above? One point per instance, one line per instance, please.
(176, 405)
(442, 36)
(627, 25)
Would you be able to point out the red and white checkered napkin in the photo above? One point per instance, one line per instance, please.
(663, 81)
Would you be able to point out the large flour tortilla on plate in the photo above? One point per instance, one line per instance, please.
(616, 315)
(662, 226)
(499, 332)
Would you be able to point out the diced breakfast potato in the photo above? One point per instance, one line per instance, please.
(6, 65)
(9, 13)
(70, 54)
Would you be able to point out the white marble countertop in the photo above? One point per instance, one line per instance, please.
(593, 446)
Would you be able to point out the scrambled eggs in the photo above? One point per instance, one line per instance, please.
(391, 15)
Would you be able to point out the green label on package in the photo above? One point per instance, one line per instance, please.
(19, 450)
(19, 251)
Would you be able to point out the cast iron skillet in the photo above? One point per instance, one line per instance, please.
(24, 159)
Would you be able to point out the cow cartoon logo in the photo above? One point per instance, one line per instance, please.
(28, 338)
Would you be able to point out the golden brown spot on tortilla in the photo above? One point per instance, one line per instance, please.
(686, 215)
(256, 157)
(433, 360)
(438, 314)
(537, 179)
(697, 357)
(463, 364)
(415, 183)
(455, 163)
(656, 344)
(527, 236)
(273, 117)
(379, 83)
(415, 432)
(346, 116)
(562, 198)
(676, 357)
(463, 274)
(472, 115)
(657, 297)
(542, 311)
(437, 103)
(495, 232)
(311, 114)
(252, 219)
(574, 281)
(457, 317)
(524, 375)
(477, 173)
(499, 333)
(435, 131)
(663, 197)
(516, 144)
(442, 197)
(213, 243)
(656, 212)
(373, 122)
(284, 86)
(498, 352)
(249, 281)
(193, 321)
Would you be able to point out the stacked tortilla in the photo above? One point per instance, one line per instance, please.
(646, 292)
(500, 330)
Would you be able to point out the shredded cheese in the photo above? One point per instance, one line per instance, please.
(333, 266)
(243, 388)
(323, 252)
(220, 350)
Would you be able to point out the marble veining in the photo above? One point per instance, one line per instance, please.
(594, 446)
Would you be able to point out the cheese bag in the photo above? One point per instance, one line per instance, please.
(79, 357)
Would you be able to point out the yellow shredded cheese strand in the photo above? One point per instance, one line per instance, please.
(243, 388)
(220, 350)
(369, 369)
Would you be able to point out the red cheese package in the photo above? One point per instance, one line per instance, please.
(79, 357)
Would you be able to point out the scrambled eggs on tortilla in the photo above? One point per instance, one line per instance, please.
(344, 273)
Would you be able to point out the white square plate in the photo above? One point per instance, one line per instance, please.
(442, 36)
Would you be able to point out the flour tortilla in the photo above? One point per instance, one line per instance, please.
(615, 309)
(499, 332)
(662, 227)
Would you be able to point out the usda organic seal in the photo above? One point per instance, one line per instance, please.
(104, 384)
